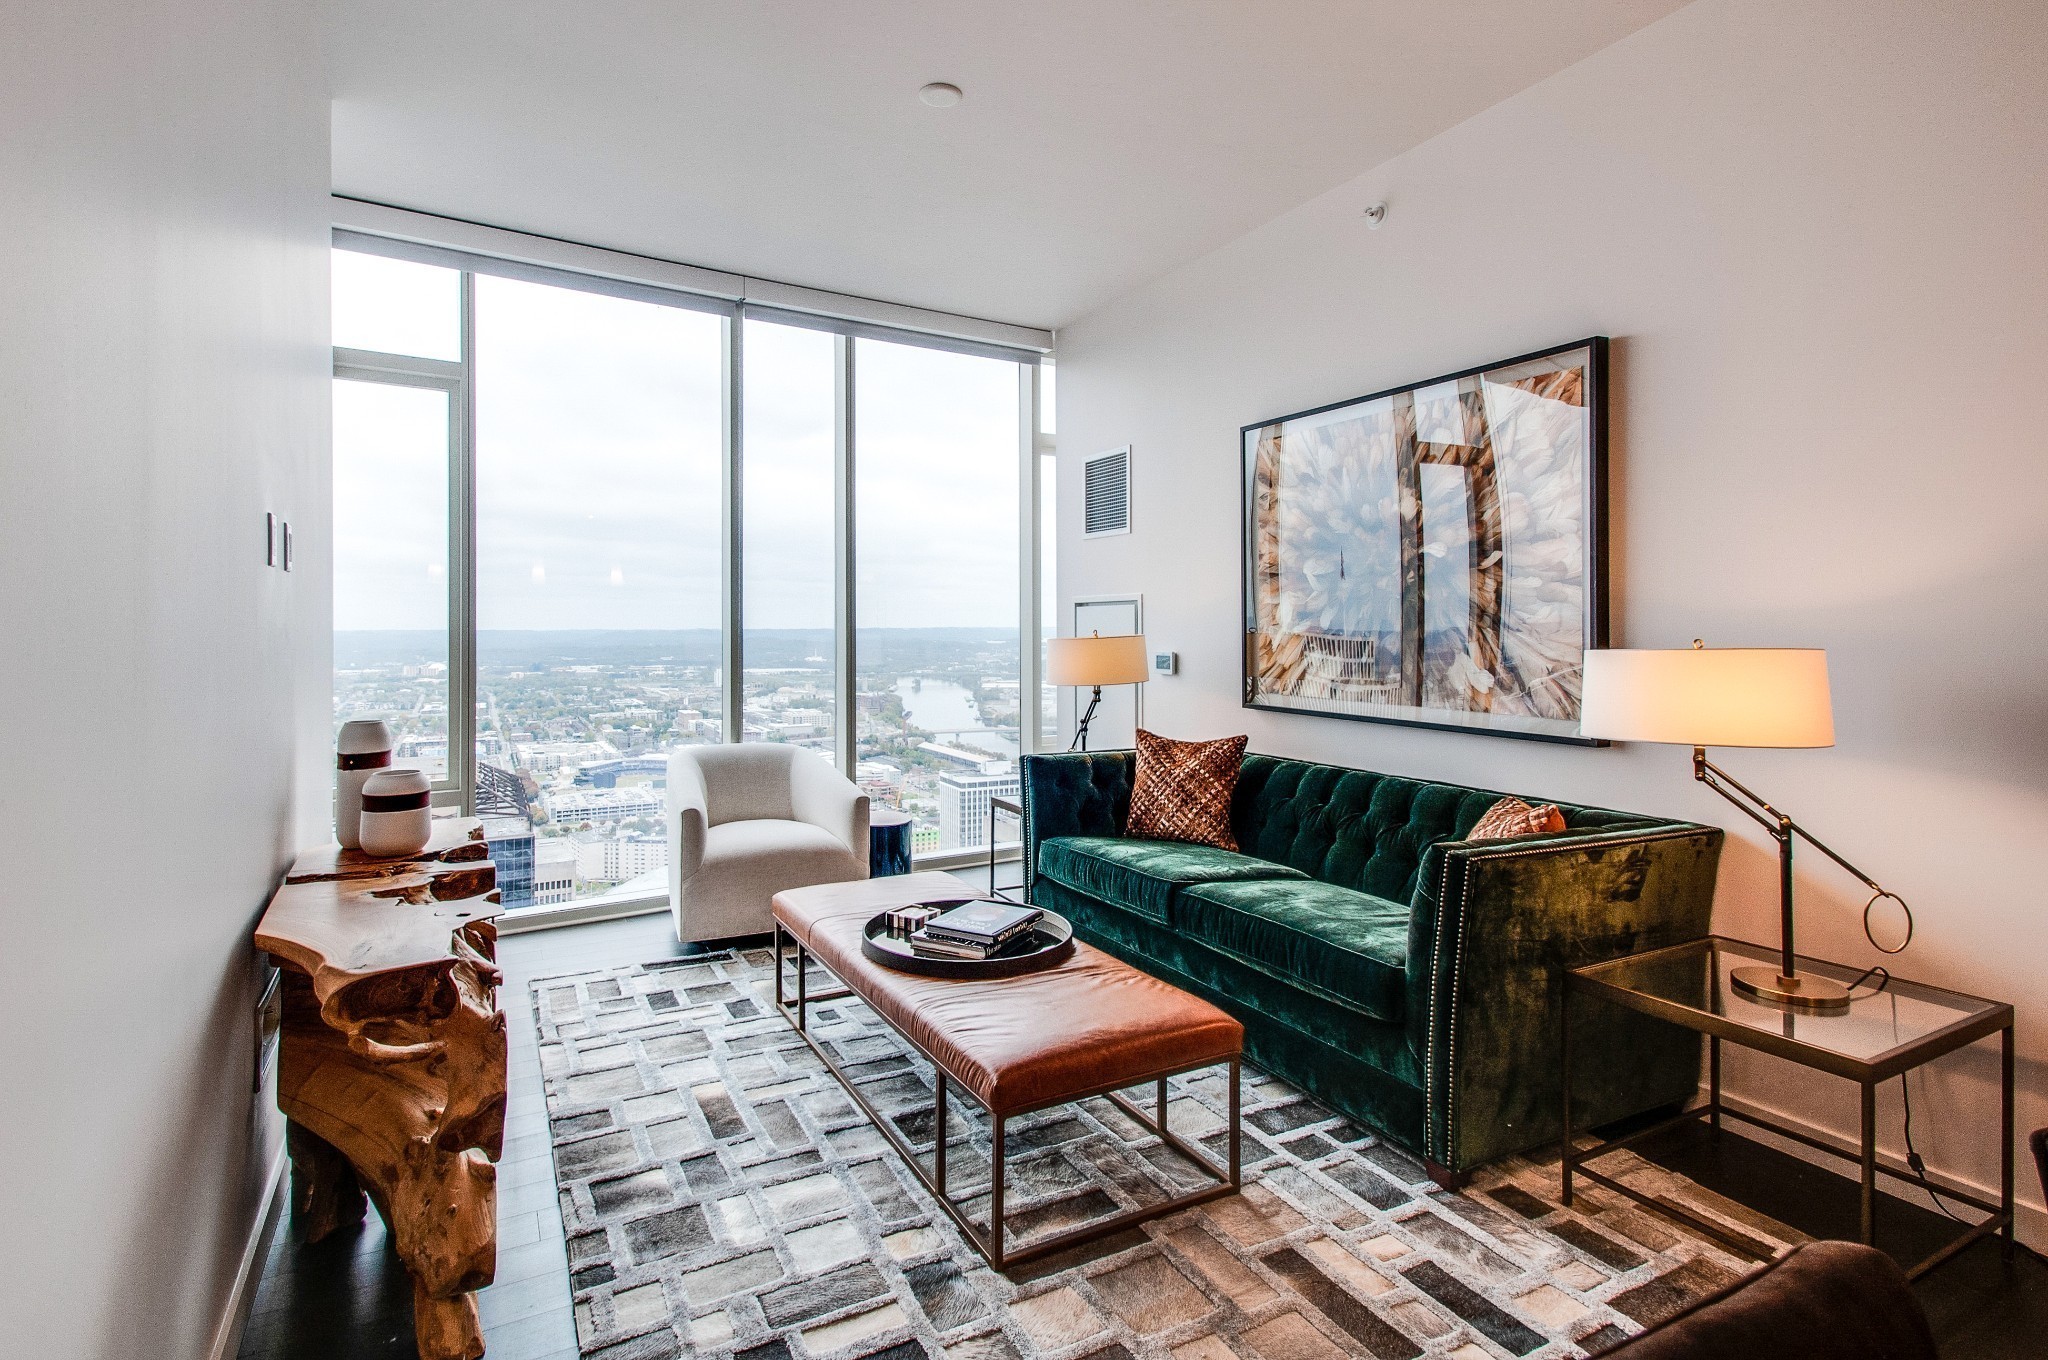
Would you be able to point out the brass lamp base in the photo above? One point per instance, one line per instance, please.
(1800, 992)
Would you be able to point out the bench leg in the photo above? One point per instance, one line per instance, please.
(995, 1194)
(939, 1130)
(1235, 1179)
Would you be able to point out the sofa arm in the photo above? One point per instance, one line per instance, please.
(1819, 1301)
(1495, 926)
(688, 816)
(820, 795)
(1075, 793)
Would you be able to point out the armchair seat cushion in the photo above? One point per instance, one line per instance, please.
(1143, 876)
(789, 849)
(1348, 947)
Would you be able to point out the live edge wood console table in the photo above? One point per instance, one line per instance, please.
(391, 1072)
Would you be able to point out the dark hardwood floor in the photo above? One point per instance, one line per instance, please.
(1980, 1308)
(349, 1299)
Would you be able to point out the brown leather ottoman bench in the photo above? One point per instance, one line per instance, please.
(1089, 1026)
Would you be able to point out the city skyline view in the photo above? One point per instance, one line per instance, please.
(574, 727)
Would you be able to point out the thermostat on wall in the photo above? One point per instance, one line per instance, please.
(1165, 663)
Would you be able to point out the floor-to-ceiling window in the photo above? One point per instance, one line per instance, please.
(789, 497)
(397, 412)
(579, 524)
(391, 451)
(936, 556)
(599, 453)
(1047, 444)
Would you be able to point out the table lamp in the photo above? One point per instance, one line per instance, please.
(1095, 661)
(1733, 696)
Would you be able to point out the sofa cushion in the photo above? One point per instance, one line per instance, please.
(1142, 876)
(1348, 947)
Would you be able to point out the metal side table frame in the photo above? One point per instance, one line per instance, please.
(990, 1242)
(998, 804)
(1686, 984)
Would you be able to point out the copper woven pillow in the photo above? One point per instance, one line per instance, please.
(1182, 789)
(1513, 817)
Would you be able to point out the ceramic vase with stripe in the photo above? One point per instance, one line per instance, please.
(362, 749)
(397, 821)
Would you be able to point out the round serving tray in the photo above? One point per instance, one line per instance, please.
(1045, 945)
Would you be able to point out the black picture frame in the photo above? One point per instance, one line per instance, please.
(1257, 688)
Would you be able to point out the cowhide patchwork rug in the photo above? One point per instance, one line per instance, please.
(723, 1197)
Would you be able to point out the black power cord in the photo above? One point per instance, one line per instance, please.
(1914, 1161)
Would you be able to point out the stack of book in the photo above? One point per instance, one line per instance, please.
(974, 930)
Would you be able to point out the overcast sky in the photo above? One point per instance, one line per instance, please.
(598, 458)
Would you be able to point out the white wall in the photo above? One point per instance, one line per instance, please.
(163, 361)
(1815, 232)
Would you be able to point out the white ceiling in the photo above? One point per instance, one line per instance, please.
(1101, 143)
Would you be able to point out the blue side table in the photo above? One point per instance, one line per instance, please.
(888, 842)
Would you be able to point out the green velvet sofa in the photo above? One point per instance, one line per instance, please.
(1405, 976)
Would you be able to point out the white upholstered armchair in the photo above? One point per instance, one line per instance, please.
(745, 822)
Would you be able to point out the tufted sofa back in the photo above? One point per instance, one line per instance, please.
(1363, 830)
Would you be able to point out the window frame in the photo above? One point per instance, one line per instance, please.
(457, 378)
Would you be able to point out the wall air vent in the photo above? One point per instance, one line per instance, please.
(1106, 493)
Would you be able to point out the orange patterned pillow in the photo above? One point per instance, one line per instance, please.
(1182, 789)
(1513, 817)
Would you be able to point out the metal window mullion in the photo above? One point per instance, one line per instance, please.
(732, 530)
(462, 564)
(1029, 734)
(844, 606)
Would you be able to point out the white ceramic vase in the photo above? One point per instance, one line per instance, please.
(396, 819)
(362, 749)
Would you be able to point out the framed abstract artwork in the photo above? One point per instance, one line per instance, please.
(1433, 555)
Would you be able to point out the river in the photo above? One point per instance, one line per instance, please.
(949, 712)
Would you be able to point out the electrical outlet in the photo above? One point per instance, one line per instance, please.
(269, 1025)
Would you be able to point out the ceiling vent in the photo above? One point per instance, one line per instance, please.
(1106, 493)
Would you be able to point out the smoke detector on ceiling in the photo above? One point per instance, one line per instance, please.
(1374, 216)
(940, 95)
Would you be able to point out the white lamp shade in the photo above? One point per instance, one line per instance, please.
(1096, 660)
(1711, 696)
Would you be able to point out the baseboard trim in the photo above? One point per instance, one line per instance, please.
(2030, 1220)
(227, 1336)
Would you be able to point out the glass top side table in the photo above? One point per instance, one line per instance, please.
(1890, 1028)
(998, 804)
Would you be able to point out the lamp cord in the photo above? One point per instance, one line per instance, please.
(1914, 1161)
